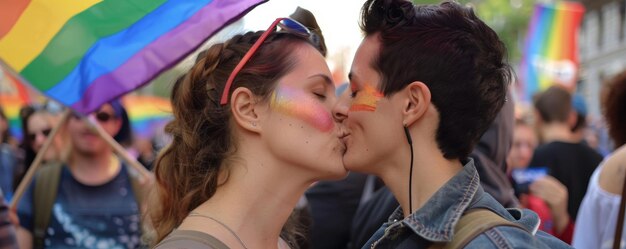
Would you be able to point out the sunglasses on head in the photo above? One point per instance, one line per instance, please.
(33, 135)
(287, 25)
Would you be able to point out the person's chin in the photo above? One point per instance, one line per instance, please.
(352, 163)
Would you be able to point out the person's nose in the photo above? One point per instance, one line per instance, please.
(340, 110)
(40, 139)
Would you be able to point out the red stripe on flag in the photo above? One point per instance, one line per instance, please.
(10, 11)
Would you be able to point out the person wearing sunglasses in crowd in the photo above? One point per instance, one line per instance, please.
(252, 130)
(37, 123)
(426, 82)
(91, 200)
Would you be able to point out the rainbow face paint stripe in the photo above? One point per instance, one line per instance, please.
(294, 102)
(366, 100)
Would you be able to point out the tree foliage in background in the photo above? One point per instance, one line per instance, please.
(509, 18)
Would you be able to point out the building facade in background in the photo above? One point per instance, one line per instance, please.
(602, 48)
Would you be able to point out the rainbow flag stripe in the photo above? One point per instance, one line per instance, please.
(13, 96)
(551, 48)
(84, 53)
(147, 114)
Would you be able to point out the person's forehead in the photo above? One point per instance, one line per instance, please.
(106, 107)
(362, 70)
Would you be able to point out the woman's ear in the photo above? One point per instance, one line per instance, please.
(416, 103)
(244, 107)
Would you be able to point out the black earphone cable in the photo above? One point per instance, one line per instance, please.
(410, 141)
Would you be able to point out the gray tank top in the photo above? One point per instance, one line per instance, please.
(187, 239)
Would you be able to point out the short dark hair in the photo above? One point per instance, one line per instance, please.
(459, 58)
(554, 104)
(615, 108)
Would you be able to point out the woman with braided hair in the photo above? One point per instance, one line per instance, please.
(252, 130)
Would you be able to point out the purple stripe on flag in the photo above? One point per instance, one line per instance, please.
(163, 53)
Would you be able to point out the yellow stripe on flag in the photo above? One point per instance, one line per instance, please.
(39, 23)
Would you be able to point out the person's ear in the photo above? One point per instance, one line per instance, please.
(572, 118)
(243, 106)
(416, 103)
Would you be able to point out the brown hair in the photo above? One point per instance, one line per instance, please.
(615, 108)
(554, 104)
(187, 170)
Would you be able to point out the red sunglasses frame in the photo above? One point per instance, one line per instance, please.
(249, 54)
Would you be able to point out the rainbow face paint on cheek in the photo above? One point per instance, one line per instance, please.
(296, 103)
(366, 100)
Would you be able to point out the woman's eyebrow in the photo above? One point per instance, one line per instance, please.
(327, 79)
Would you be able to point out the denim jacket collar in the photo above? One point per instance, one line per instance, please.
(435, 221)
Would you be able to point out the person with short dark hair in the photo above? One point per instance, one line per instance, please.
(426, 82)
(567, 160)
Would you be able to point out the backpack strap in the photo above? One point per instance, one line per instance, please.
(46, 185)
(472, 224)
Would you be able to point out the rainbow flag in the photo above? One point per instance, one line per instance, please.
(83, 53)
(551, 48)
(147, 114)
(13, 95)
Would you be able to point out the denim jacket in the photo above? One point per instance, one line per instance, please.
(435, 221)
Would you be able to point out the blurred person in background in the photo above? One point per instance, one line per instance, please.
(38, 120)
(565, 158)
(545, 195)
(597, 217)
(92, 200)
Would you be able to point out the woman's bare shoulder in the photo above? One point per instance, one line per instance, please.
(613, 171)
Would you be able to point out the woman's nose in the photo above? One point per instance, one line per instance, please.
(340, 110)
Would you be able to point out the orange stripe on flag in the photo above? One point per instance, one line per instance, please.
(10, 11)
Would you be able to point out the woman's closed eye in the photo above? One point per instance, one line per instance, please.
(321, 96)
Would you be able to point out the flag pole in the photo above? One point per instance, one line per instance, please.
(28, 178)
(146, 176)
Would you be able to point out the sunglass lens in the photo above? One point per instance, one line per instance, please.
(103, 116)
(46, 132)
(294, 27)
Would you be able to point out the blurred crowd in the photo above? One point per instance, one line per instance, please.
(37, 122)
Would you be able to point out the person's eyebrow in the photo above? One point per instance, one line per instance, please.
(326, 78)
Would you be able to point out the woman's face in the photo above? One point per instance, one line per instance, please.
(299, 127)
(522, 150)
(39, 126)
